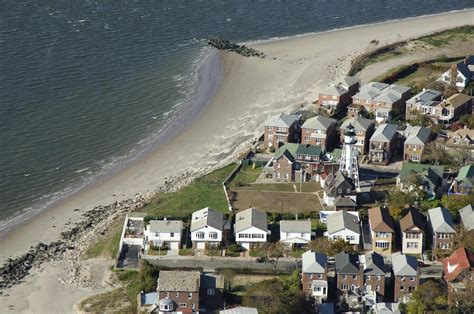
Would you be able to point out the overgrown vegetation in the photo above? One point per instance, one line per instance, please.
(108, 245)
(330, 248)
(429, 297)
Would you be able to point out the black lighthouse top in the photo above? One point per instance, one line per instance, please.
(350, 130)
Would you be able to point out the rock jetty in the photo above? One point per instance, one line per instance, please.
(239, 49)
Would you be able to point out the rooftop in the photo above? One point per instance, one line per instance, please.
(380, 220)
(458, 100)
(467, 217)
(418, 135)
(404, 265)
(207, 217)
(453, 265)
(347, 263)
(360, 124)
(384, 133)
(282, 120)
(342, 220)
(303, 226)
(250, 218)
(411, 219)
(425, 96)
(179, 281)
(318, 122)
(166, 226)
(441, 220)
(314, 262)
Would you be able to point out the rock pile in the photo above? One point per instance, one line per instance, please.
(241, 50)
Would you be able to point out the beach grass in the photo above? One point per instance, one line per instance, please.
(108, 245)
(206, 191)
(282, 187)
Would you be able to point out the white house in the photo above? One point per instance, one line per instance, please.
(295, 232)
(251, 228)
(343, 225)
(463, 71)
(164, 233)
(206, 227)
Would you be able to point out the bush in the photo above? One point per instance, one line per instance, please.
(272, 149)
(235, 248)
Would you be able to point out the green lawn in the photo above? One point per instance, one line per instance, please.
(203, 192)
(246, 175)
(282, 187)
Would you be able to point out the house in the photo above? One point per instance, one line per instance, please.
(314, 276)
(386, 308)
(240, 310)
(295, 232)
(164, 233)
(422, 103)
(281, 128)
(462, 138)
(251, 228)
(460, 74)
(319, 131)
(338, 185)
(336, 97)
(411, 227)
(442, 228)
(464, 181)
(406, 274)
(207, 226)
(345, 203)
(178, 291)
(343, 225)
(363, 128)
(211, 292)
(383, 143)
(451, 109)
(419, 176)
(381, 230)
(458, 272)
(414, 145)
(382, 99)
(294, 163)
(467, 217)
(374, 277)
(349, 274)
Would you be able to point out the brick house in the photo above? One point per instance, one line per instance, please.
(319, 131)
(414, 145)
(411, 227)
(336, 97)
(363, 128)
(374, 277)
(178, 291)
(382, 230)
(458, 272)
(442, 228)
(383, 144)
(281, 128)
(314, 275)
(349, 274)
(381, 99)
(422, 103)
(406, 275)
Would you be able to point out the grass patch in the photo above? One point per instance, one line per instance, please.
(107, 246)
(296, 253)
(257, 253)
(157, 252)
(186, 252)
(202, 192)
(282, 187)
(246, 175)
(444, 38)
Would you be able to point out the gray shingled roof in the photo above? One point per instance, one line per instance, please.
(467, 217)
(344, 201)
(179, 281)
(335, 90)
(360, 124)
(342, 220)
(240, 310)
(404, 265)
(334, 183)
(349, 81)
(282, 120)
(384, 133)
(441, 220)
(374, 264)
(381, 92)
(425, 96)
(303, 226)
(418, 135)
(207, 217)
(318, 122)
(250, 218)
(313, 262)
(347, 263)
(166, 226)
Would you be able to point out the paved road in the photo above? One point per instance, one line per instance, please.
(210, 264)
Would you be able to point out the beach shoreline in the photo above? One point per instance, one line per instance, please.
(251, 89)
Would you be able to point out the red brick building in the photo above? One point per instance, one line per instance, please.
(280, 129)
(178, 291)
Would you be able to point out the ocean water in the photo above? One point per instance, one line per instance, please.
(87, 86)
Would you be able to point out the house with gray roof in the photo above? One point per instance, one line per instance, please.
(415, 176)
(363, 128)
(207, 226)
(463, 71)
(422, 103)
(406, 276)
(319, 131)
(414, 145)
(163, 233)
(442, 228)
(314, 275)
(281, 128)
(382, 99)
(240, 310)
(336, 97)
(251, 228)
(374, 277)
(338, 185)
(343, 226)
(178, 291)
(295, 232)
(467, 217)
(383, 143)
(349, 274)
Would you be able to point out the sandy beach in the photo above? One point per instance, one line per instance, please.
(252, 89)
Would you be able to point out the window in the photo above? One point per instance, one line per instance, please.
(177, 294)
(317, 289)
(310, 276)
(402, 288)
(378, 277)
(382, 244)
(412, 245)
(339, 191)
(172, 234)
(182, 304)
(381, 234)
(193, 306)
(412, 278)
(377, 288)
(367, 277)
(354, 277)
(344, 276)
(320, 276)
(213, 235)
(200, 235)
(310, 285)
(211, 291)
(344, 286)
(348, 190)
(190, 295)
(402, 278)
(270, 136)
(350, 238)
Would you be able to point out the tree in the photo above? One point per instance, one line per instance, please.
(464, 238)
(420, 119)
(330, 248)
(428, 297)
(435, 155)
(274, 251)
(467, 120)
(455, 202)
(397, 201)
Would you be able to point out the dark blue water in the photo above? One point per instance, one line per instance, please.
(87, 85)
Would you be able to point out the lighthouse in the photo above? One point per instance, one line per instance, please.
(349, 163)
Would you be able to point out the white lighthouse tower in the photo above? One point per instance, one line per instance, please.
(349, 163)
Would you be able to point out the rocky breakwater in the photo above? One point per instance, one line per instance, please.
(239, 49)
(70, 245)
